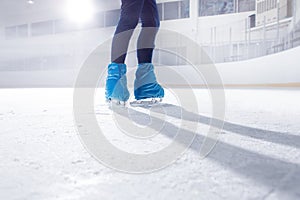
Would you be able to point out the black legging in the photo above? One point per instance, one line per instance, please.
(131, 12)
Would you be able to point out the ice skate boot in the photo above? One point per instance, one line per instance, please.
(146, 89)
(116, 90)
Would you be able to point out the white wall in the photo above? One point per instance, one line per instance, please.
(297, 11)
(281, 68)
(277, 68)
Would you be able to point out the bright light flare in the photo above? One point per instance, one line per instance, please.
(80, 11)
(30, 2)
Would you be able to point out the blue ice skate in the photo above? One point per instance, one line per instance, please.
(145, 84)
(116, 83)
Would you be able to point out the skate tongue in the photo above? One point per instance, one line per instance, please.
(146, 102)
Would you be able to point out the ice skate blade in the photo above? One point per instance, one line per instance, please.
(146, 102)
(113, 103)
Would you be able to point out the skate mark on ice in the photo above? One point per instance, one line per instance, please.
(266, 170)
(261, 134)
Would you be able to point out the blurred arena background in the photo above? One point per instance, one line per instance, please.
(44, 43)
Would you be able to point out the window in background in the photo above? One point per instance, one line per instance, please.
(246, 5)
(252, 20)
(174, 10)
(171, 10)
(42, 28)
(160, 11)
(62, 26)
(184, 8)
(22, 31)
(112, 18)
(216, 7)
(99, 20)
(11, 32)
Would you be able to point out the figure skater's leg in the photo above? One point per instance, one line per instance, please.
(145, 85)
(130, 14)
(116, 82)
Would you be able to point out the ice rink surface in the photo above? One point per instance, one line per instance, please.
(257, 155)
